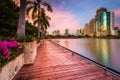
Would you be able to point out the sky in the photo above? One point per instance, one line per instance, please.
(73, 14)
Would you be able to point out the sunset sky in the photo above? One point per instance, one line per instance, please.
(73, 14)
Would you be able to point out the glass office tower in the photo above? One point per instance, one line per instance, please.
(104, 22)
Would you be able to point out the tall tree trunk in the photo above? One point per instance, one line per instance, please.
(21, 24)
(43, 34)
(39, 31)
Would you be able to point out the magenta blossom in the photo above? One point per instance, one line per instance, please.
(12, 39)
(6, 51)
(7, 57)
(6, 45)
(13, 44)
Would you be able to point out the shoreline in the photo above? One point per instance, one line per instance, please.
(85, 38)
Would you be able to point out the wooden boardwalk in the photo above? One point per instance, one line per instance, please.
(55, 63)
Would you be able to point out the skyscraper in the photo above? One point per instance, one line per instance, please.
(66, 32)
(86, 29)
(92, 27)
(98, 19)
(112, 26)
(104, 22)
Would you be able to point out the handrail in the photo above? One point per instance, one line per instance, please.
(114, 72)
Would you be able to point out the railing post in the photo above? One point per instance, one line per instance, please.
(105, 69)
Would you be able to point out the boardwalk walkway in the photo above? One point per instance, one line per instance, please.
(55, 63)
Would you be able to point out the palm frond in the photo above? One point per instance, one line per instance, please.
(48, 18)
(48, 24)
(29, 9)
(42, 12)
(42, 27)
(35, 17)
(49, 8)
(35, 22)
(38, 1)
(45, 26)
(30, 3)
(34, 12)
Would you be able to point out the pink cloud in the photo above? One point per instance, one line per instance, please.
(61, 20)
(117, 12)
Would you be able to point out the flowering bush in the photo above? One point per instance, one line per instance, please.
(9, 49)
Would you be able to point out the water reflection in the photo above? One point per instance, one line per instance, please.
(66, 43)
(104, 51)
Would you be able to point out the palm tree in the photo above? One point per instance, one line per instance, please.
(21, 24)
(44, 22)
(38, 13)
(44, 25)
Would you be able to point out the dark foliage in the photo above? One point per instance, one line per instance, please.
(9, 15)
(8, 18)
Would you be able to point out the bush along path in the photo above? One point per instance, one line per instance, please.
(9, 49)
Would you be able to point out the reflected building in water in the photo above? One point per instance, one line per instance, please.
(103, 51)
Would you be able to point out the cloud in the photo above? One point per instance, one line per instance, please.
(117, 17)
(117, 12)
(61, 20)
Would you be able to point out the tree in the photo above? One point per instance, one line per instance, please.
(44, 22)
(21, 24)
(38, 13)
(8, 18)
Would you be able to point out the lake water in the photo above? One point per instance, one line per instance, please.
(103, 51)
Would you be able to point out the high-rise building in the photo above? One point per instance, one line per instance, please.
(92, 27)
(81, 31)
(113, 29)
(98, 19)
(86, 29)
(104, 22)
(56, 32)
(66, 32)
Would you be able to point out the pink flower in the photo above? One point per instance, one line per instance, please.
(13, 44)
(12, 39)
(6, 45)
(6, 51)
(7, 57)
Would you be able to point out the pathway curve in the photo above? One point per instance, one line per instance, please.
(55, 63)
